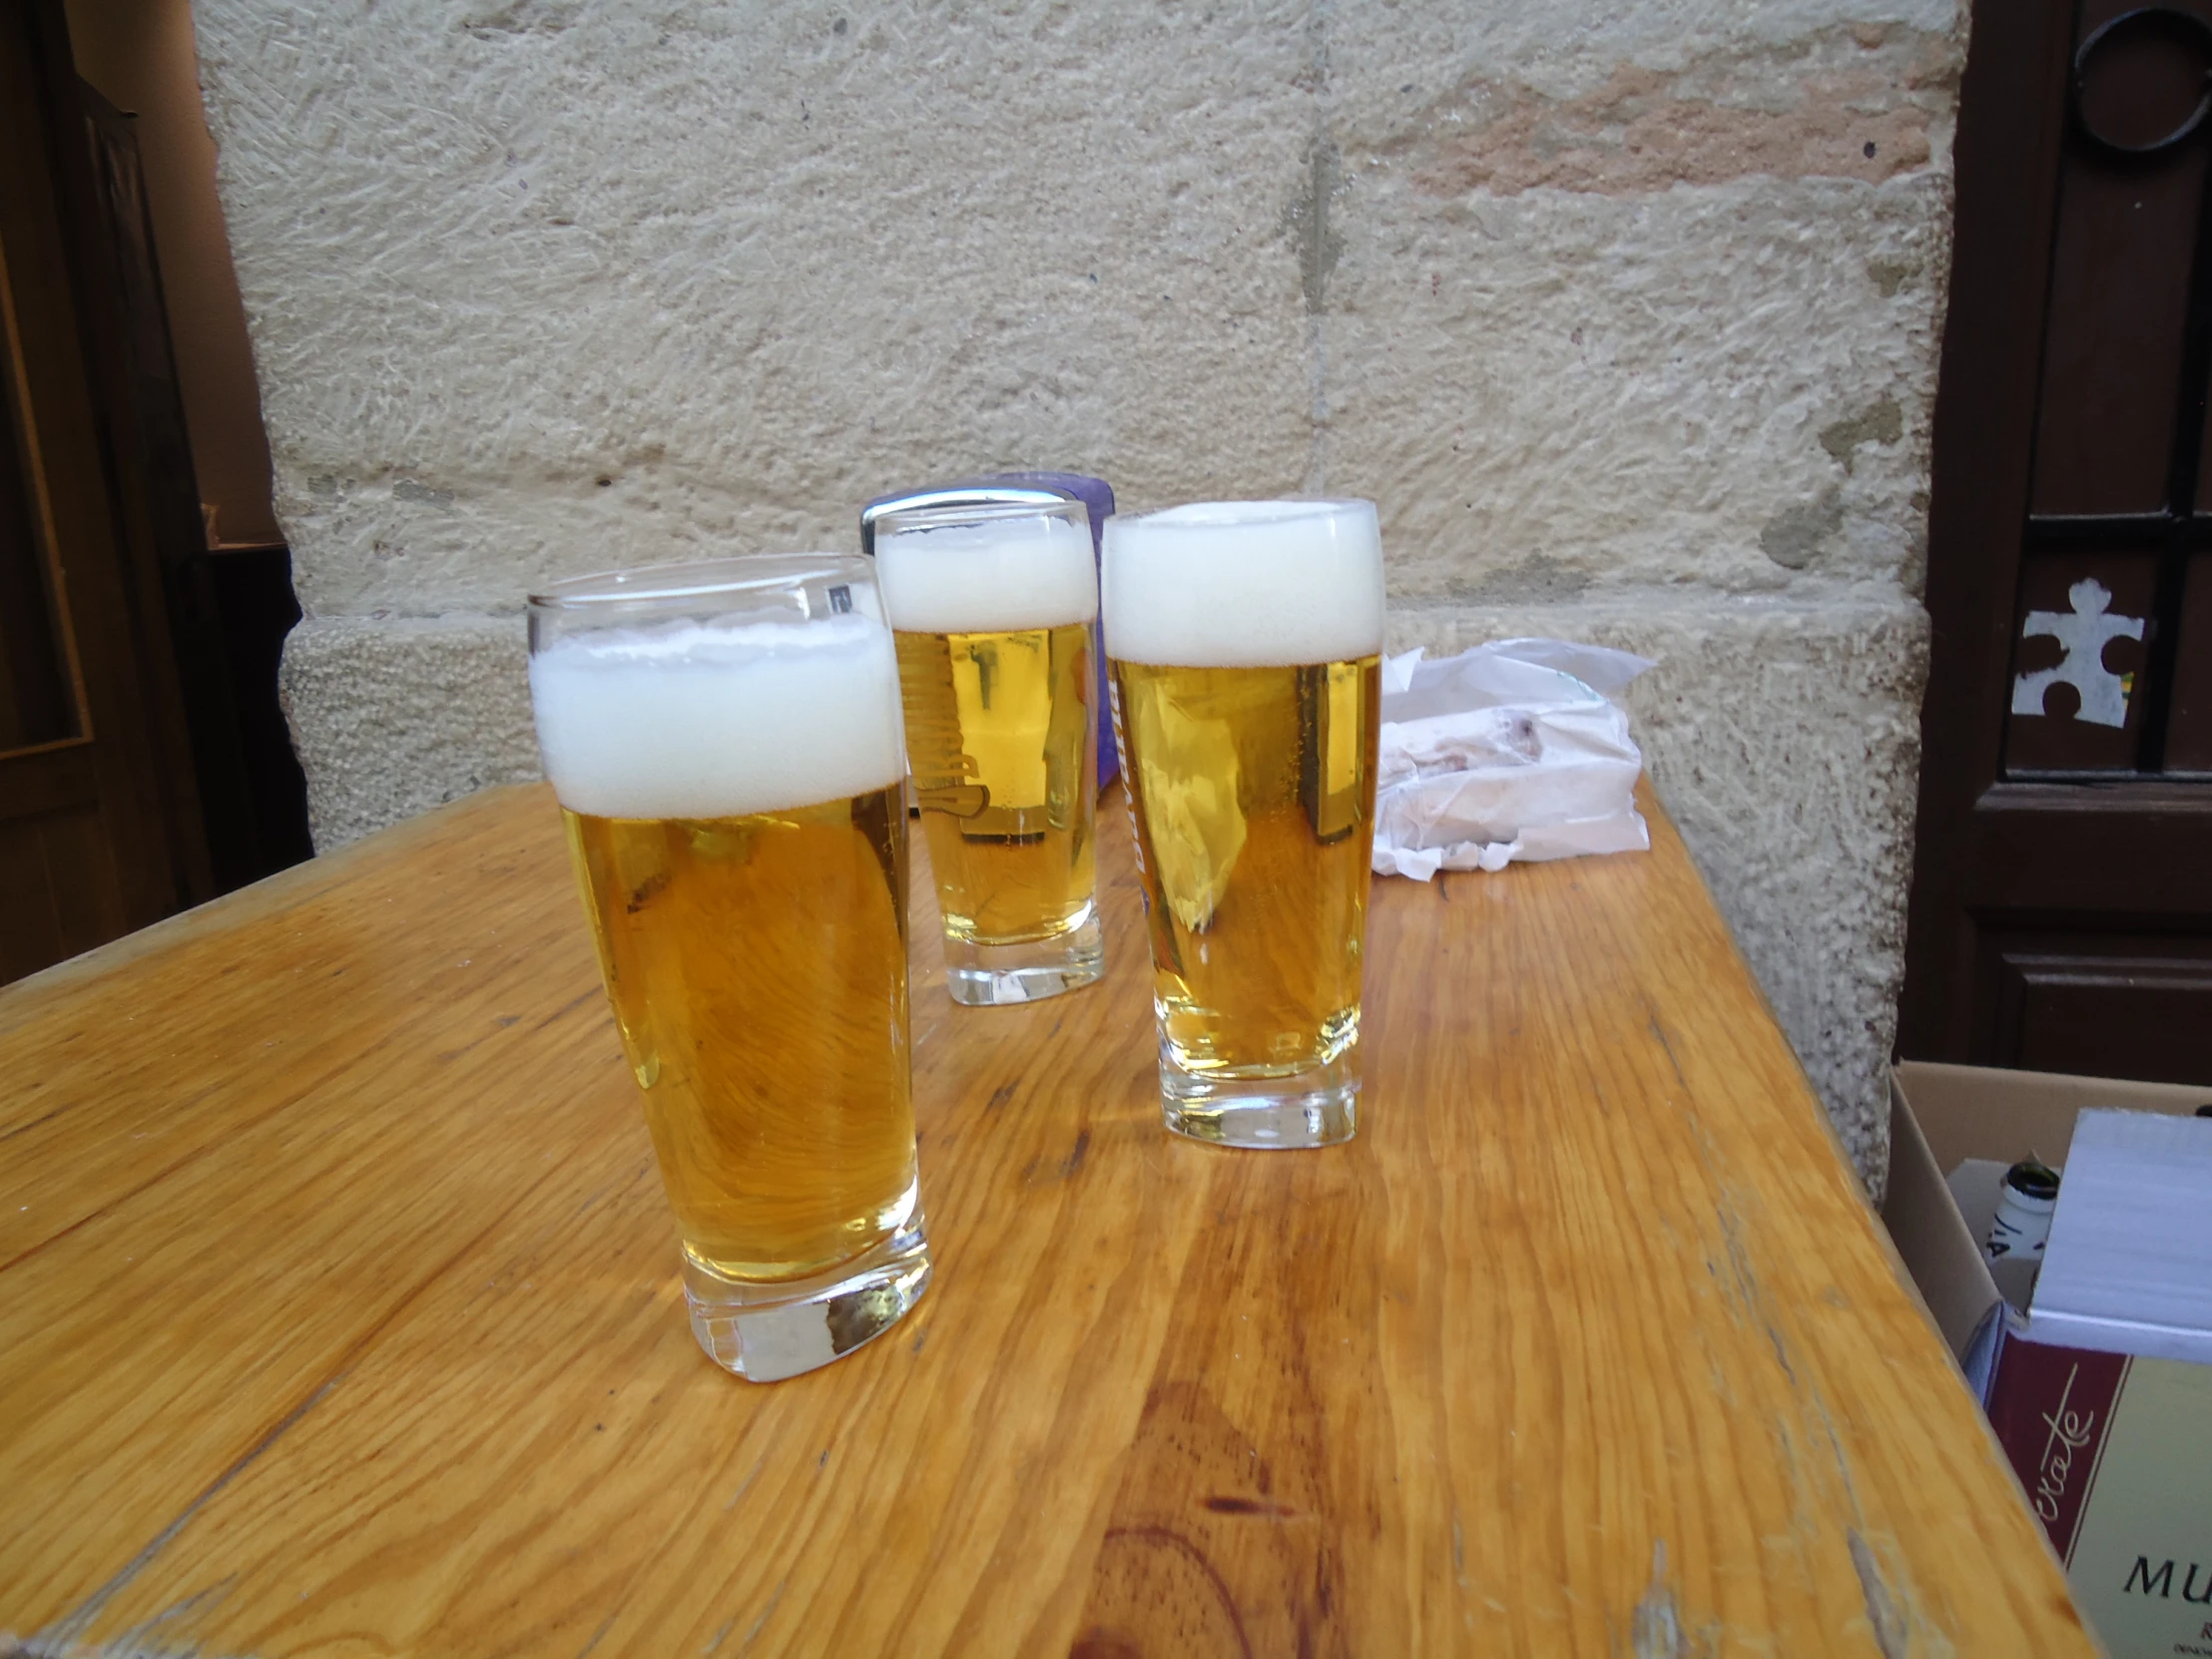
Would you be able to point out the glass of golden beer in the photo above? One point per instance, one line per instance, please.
(1244, 646)
(724, 739)
(994, 607)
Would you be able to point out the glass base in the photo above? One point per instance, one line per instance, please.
(1319, 1107)
(995, 976)
(765, 1333)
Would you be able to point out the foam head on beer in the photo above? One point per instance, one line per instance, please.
(1245, 584)
(694, 720)
(987, 571)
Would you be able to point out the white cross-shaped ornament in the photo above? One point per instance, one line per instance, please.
(2083, 632)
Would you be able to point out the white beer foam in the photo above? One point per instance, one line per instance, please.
(700, 720)
(1245, 584)
(987, 577)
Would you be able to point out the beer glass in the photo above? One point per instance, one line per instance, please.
(992, 607)
(724, 739)
(1242, 643)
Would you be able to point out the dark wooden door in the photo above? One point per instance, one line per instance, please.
(99, 824)
(2061, 910)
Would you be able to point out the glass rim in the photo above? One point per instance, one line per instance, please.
(937, 516)
(677, 580)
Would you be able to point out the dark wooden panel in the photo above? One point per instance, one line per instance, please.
(49, 780)
(30, 934)
(2081, 638)
(81, 873)
(157, 504)
(2119, 287)
(2012, 127)
(38, 702)
(59, 891)
(2087, 273)
(2124, 241)
(113, 631)
(2189, 726)
(50, 162)
(2110, 1007)
(2136, 849)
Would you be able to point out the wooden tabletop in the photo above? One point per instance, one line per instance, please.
(339, 1314)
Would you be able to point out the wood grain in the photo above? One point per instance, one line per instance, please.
(338, 1314)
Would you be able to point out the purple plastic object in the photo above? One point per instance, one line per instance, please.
(1097, 497)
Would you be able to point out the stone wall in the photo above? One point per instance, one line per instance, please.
(1625, 313)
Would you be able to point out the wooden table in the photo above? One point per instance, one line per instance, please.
(338, 1314)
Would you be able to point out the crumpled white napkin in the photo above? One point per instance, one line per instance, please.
(1513, 750)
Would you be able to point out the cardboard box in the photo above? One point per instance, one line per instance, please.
(2113, 1452)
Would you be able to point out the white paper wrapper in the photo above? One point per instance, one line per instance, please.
(1509, 751)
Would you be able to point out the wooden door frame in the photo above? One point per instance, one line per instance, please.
(153, 853)
(2004, 179)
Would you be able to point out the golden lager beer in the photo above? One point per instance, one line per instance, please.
(1255, 838)
(995, 727)
(725, 744)
(777, 942)
(994, 607)
(1245, 644)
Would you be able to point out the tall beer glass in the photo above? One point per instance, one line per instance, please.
(724, 739)
(994, 607)
(1244, 642)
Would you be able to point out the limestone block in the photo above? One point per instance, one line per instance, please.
(1558, 393)
(1629, 97)
(393, 718)
(1785, 740)
(539, 284)
(1570, 48)
(1677, 326)
(751, 264)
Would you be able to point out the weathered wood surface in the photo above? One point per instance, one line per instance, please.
(338, 1314)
